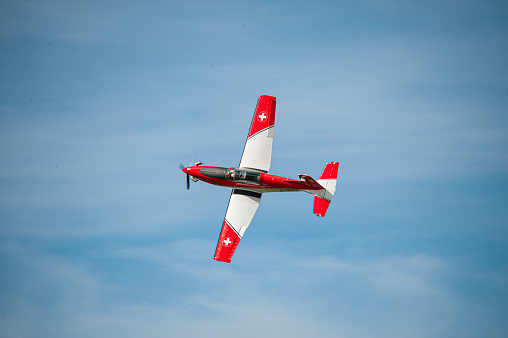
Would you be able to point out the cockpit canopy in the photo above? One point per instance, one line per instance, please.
(232, 174)
(243, 175)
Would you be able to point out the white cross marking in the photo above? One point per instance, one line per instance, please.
(262, 117)
(227, 241)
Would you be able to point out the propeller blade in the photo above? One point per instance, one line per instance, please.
(189, 177)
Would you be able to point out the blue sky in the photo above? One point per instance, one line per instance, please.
(101, 100)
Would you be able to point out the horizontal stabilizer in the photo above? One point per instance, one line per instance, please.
(320, 206)
(328, 180)
(310, 181)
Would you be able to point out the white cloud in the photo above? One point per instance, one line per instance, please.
(273, 293)
(238, 300)
(393, 276)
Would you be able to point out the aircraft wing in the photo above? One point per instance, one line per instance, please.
(242, 207)
(257, 152)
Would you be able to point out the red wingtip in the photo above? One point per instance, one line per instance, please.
(264, 115)
(227, 244)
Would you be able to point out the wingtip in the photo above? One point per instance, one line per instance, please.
(225, 260)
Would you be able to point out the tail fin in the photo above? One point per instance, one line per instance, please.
(328, 181)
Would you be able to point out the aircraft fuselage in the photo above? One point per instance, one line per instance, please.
(247, 179)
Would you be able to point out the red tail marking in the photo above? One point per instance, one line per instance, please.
(331, 171)
(320, 206)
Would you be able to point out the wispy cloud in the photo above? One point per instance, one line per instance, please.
(88, 302)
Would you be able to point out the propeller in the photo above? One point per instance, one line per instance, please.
(190, 177)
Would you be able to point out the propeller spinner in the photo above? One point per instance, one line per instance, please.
(190, 177)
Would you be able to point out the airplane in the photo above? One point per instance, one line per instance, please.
(251, 179)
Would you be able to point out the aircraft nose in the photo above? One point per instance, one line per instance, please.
(193, 171)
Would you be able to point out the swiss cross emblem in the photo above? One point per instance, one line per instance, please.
(262, 116)
(227, 241)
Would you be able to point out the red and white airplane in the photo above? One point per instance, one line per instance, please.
(251, 179)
